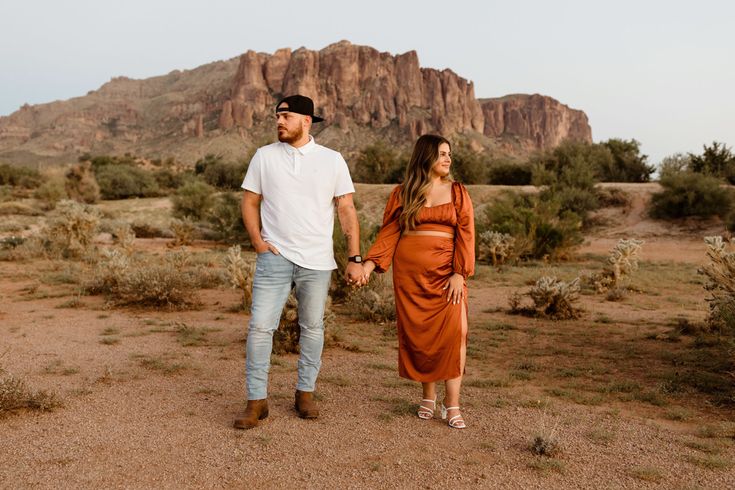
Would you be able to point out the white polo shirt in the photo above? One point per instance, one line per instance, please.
(298, 186)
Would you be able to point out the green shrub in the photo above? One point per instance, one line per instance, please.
(468, 166)
(540, 228)
(690, 194)
(568, 173)
(193, 199)
(169, 180)
(225, 218)
(50, 192)
(627, 164)
(379, 163)
(716, 160)
(219, 173)
(509, 173)
(19, 176)
(118, 181)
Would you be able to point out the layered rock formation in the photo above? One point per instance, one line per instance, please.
(223, 106)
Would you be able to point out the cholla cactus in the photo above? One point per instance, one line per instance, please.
(720, 272)
(555, 299)
(183, 231)
(286, 337)
(73, 228)
(495, 246)
(621, 263)
(241, 273)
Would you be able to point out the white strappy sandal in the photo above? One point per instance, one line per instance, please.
(456, 422)
(426, 413)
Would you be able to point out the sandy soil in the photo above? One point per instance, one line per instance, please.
(145, 411)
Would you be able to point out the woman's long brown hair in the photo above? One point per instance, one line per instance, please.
(417, 180)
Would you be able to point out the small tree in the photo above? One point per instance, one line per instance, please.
(468, 166)
(192, 200)
(379, 163)
(690, 194)
(716, 160)
(627, 164)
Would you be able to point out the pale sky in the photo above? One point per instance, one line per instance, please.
(662, 72)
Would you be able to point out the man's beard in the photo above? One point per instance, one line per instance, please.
(291, 137)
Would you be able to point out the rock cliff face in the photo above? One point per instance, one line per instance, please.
(221, 107)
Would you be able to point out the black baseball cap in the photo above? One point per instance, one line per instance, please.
(300, 104)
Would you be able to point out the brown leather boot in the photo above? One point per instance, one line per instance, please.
(255, 411)
(305, 405)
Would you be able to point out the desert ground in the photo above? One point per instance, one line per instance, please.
(631, 393)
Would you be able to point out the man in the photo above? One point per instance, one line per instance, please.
(291, 190)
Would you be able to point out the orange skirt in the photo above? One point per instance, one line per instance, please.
(429, 327)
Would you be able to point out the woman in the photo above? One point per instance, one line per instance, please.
(428, 234)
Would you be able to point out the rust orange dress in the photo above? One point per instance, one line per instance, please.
(429, 327)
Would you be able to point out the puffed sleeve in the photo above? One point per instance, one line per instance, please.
(464, 236)
(381, 253)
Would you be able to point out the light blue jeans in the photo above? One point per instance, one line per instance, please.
(274, 278)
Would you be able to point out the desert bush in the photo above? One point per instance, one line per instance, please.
(18, 249)
(118, 181)
(241, 273)
(613, 197)
(215, 171)
(50, 193)
(496, 248)
(468, 165)
(183, 231)
(619, 265)
(133, 280)
(673, 164)
(552, 298)
(81, 185)
(169, 180)
(15, 395)
(71, 229)
(14, 176)
(373, 302)
(225, 219)
(286, 337)
(716, 160)
(509, 173)
(147, 230)
(627, 163)
(690, 194)
(720, 274)
(192, 200)
(539, 228)
(379, 163)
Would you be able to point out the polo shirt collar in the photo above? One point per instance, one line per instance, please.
(307, 148)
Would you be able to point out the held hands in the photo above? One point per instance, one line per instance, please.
(358, 274)
(455, 288)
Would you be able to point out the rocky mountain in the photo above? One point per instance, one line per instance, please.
(227, 106)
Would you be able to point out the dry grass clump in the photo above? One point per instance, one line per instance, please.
(15, 395)
(71, 229)
(286, 337)
(620, 264)
(374, 302)
(552, 298)
(146, 282)
(183, 231)
(241, 273)
(546, 441)
(497, 248)
(720, 273)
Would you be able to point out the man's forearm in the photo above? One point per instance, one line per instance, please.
(350, 227)
(251, 219)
